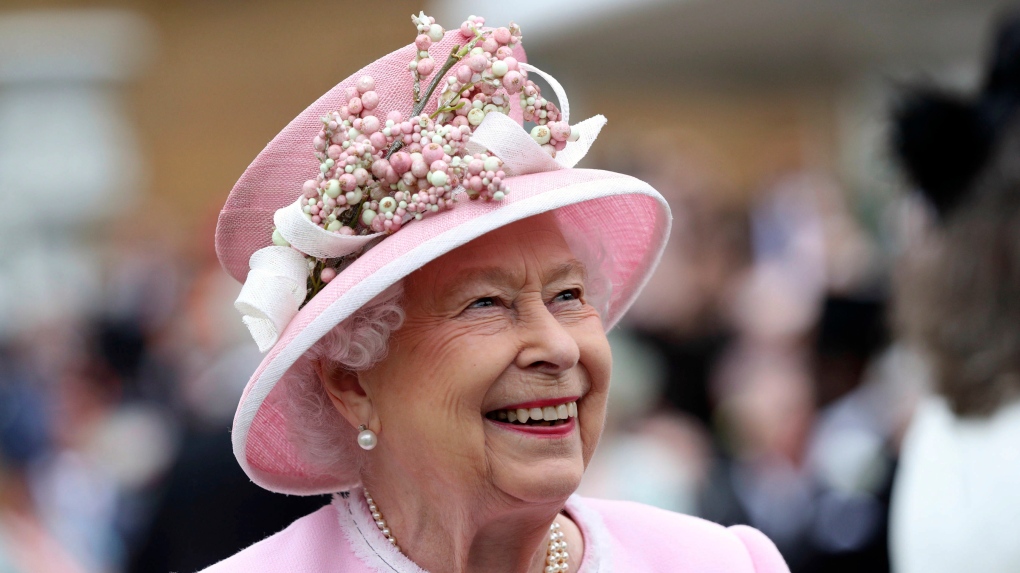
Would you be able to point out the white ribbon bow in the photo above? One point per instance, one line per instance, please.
(277, 282)
(272, 293)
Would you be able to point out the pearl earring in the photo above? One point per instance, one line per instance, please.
(366, 438)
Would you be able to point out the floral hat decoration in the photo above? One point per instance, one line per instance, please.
(416, 154)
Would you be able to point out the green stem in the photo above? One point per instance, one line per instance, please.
(447, 108)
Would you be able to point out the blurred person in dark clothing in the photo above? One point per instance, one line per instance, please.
(27, 542)
(817, 479)
(955, 501)
(205, 508)
(209, 509)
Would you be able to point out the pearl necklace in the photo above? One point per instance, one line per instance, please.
(555, 555)
(380, 522)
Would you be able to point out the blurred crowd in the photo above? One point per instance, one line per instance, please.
(114, 427)
(771, 392)
(760, 379)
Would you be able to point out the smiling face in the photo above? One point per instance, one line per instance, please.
(499, 326)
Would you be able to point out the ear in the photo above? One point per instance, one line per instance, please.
(348, 396)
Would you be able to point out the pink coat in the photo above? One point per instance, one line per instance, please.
(620, 537)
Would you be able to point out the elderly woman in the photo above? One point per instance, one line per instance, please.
(433, 285)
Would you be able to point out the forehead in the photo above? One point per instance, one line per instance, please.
(536, 239)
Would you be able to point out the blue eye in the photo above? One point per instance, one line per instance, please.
(483, 302)
(572, 294)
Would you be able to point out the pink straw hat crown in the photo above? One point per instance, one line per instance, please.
(400, 163)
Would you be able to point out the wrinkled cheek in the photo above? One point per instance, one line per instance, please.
(600, 370)
(595, 403)
(593, 421)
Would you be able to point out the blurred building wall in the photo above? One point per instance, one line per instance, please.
(225, 77)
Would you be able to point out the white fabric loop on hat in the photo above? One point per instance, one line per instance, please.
(311, 239)
(588, 130)
(561, 94)
(273, 292)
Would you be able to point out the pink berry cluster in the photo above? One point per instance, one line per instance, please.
(551, 133)
(486, 77)
(376, 174)
(428, 32)
(359, 188)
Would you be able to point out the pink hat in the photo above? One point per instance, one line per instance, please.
(268, 241)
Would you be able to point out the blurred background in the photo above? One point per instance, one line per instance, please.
(757, 380)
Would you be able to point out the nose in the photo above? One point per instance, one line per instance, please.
(547, 346)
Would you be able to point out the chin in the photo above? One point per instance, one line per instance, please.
(551, 481)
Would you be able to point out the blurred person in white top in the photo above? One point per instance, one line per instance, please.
(955, 501)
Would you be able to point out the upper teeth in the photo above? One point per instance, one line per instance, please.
(549, 413)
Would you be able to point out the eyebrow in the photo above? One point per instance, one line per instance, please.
(499, 275)
(565, 269)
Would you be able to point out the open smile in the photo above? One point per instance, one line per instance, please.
(549, 417)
